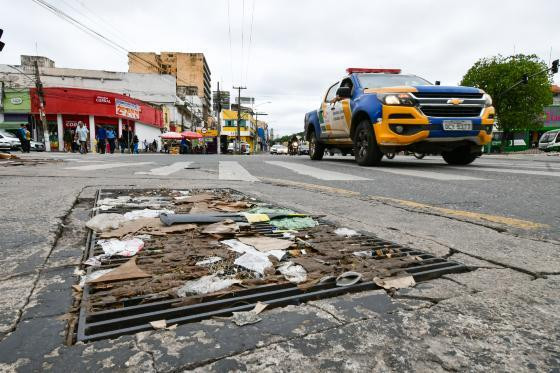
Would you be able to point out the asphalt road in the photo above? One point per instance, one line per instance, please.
(523, 188)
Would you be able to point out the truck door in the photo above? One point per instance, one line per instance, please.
(326, 112)
(341, 116)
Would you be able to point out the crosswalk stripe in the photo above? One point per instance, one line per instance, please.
(509, 171)
(165, 170)
(316, 172)
(416, 173)
(427, 174)
(231, 170)
(103, 166)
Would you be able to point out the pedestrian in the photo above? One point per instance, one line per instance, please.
(135, 142)
(101, 137)
(76, 143)
(154, 145)
(21, 136)
(184, 146)
(122, 144)
(145, 143)
(82, 132)
(111, 135)
(27, 139)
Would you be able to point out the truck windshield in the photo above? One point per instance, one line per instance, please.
(389, 80)
(548, 137)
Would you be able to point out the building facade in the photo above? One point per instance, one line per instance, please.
(190, 69)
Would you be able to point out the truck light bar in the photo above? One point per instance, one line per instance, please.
(351, 70)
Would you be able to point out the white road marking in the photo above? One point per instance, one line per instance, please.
(231, 170)
(416, 173)
(537, 166)
(165, 170)
(92, 167)
(315, 172)
(509, 171)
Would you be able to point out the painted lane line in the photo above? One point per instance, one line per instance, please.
(509, 171)
(231, 170)
(315, 172)
(165, 170)
(92, 167)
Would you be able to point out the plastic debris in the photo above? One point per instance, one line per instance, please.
(266, 243)
(288, 223)
(205, 285)
(362, 254)
(258, 262)
(129, 201)
(92, 276)
(240, 247)
(293, 272)
(348, 278)
(145, 213)
(123, 248)
(278, 254)
(93, 262)
(159, 324)
(395, 282)
(227, 226)
(126, 271)
(346, 232)
(211, 260)
(105, 222)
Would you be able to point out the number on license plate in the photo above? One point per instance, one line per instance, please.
(457, 125)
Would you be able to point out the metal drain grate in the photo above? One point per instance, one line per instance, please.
(115, 317)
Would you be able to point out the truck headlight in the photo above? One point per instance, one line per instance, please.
(487, 99)
(396, 99)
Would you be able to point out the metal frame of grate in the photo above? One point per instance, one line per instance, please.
(136, 313)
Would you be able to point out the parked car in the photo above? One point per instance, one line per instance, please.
(5, 145)
(14, 141)
(378, 111)
(274, 149)
(37, 146)
(244, 147)
(550, 141)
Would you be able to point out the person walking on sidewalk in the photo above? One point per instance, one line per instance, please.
(135, 142)
(22, 136)
(101, 137)
(82, 132)
(111, 136)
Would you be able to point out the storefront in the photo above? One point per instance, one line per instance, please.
(209, 139)
(66, 107)
(16, 109)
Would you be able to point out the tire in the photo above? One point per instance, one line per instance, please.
(366, 151)
(316, 149)
(419, 155)
(390, 155)
(459, 156)
(344, 153)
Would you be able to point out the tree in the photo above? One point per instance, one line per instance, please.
(521, 107)
(287, 138)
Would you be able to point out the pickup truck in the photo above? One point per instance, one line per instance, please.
(372, 112)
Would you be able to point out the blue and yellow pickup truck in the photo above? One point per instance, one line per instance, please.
(372, 112)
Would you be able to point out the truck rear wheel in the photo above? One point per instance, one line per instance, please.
(366, 151)
(316, 149)
(459, 156)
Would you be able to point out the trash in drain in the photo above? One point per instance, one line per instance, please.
(217, 263)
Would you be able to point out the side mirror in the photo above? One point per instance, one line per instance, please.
(438, 82)
(345, 92)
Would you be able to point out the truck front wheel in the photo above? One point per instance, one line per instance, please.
(366, 151)
(316, 149)
(459, 156)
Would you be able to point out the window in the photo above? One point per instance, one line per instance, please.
(332, 92)
(390, 80)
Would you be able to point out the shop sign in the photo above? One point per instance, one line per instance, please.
(71, 124)
(103, 100)
(127, 109)
(16, 100)
(234, 133)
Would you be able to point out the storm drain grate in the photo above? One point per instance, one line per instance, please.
(104, 316)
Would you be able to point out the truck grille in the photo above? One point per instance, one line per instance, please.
(446, 95)
(451, 111)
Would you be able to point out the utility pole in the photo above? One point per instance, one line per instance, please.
(42, 103)
(218, 111)
(238, 138)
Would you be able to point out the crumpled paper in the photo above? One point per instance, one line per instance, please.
(206, 284)
(105, 222)
(121, 247)
(293, 272)
(395, 282)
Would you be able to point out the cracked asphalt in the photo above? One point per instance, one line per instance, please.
(502, 315)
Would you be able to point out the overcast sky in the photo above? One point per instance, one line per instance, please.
(296, 49)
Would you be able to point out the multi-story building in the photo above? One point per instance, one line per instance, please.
(190, 69)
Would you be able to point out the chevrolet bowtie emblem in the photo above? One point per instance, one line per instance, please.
(455, 101)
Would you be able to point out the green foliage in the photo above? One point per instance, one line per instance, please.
(280, 140)
(520, 108)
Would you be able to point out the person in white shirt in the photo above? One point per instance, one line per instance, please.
(82, 132)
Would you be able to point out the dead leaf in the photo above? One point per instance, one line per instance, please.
(159, 324)
(126, 271)
(259, 307)
(266, 243)
(395, 282)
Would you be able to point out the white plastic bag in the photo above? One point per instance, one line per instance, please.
(123, 248)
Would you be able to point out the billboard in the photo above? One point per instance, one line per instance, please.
(552, 116)
(225, 99)
(127, 109)
(245, 100)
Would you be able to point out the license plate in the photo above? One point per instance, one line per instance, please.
(457, 125)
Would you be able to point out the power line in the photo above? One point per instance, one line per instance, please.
(229, 36)
(250, 42)
(242, 43)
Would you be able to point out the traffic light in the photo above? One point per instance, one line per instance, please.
(525, 79)
(2, 44)
(554, 67)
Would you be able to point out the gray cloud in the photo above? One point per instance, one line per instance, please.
(298, 48)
